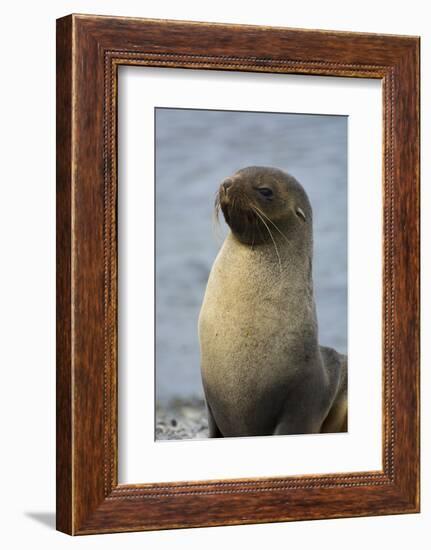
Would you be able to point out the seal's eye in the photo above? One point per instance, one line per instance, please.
(265, 192)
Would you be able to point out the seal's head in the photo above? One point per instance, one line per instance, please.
(261, 203)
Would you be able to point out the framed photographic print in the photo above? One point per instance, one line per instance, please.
(237, 274)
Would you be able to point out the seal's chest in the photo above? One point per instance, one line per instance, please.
(242, 350)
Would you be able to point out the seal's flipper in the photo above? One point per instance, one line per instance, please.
(336, 366)
(213, 429)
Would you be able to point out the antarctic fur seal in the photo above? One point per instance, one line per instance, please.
(263, 369)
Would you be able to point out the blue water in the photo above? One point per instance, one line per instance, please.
(195, 150)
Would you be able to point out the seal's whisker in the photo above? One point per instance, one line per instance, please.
(217, 206)
(252, 242)
(258, 226)
(272, 238)
(216, 229)
(216, 219)
(270, 221)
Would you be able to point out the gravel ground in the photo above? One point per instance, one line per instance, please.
(181, 419)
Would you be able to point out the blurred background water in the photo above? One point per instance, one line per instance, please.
(195, 150)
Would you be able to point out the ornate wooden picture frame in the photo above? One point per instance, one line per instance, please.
(89, 51)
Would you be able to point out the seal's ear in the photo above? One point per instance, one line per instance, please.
(300, 213)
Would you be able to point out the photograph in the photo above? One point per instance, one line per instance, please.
(251, 295)
(237, 270)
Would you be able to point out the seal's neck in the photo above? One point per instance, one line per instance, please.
(279, 282)
(280, 255)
